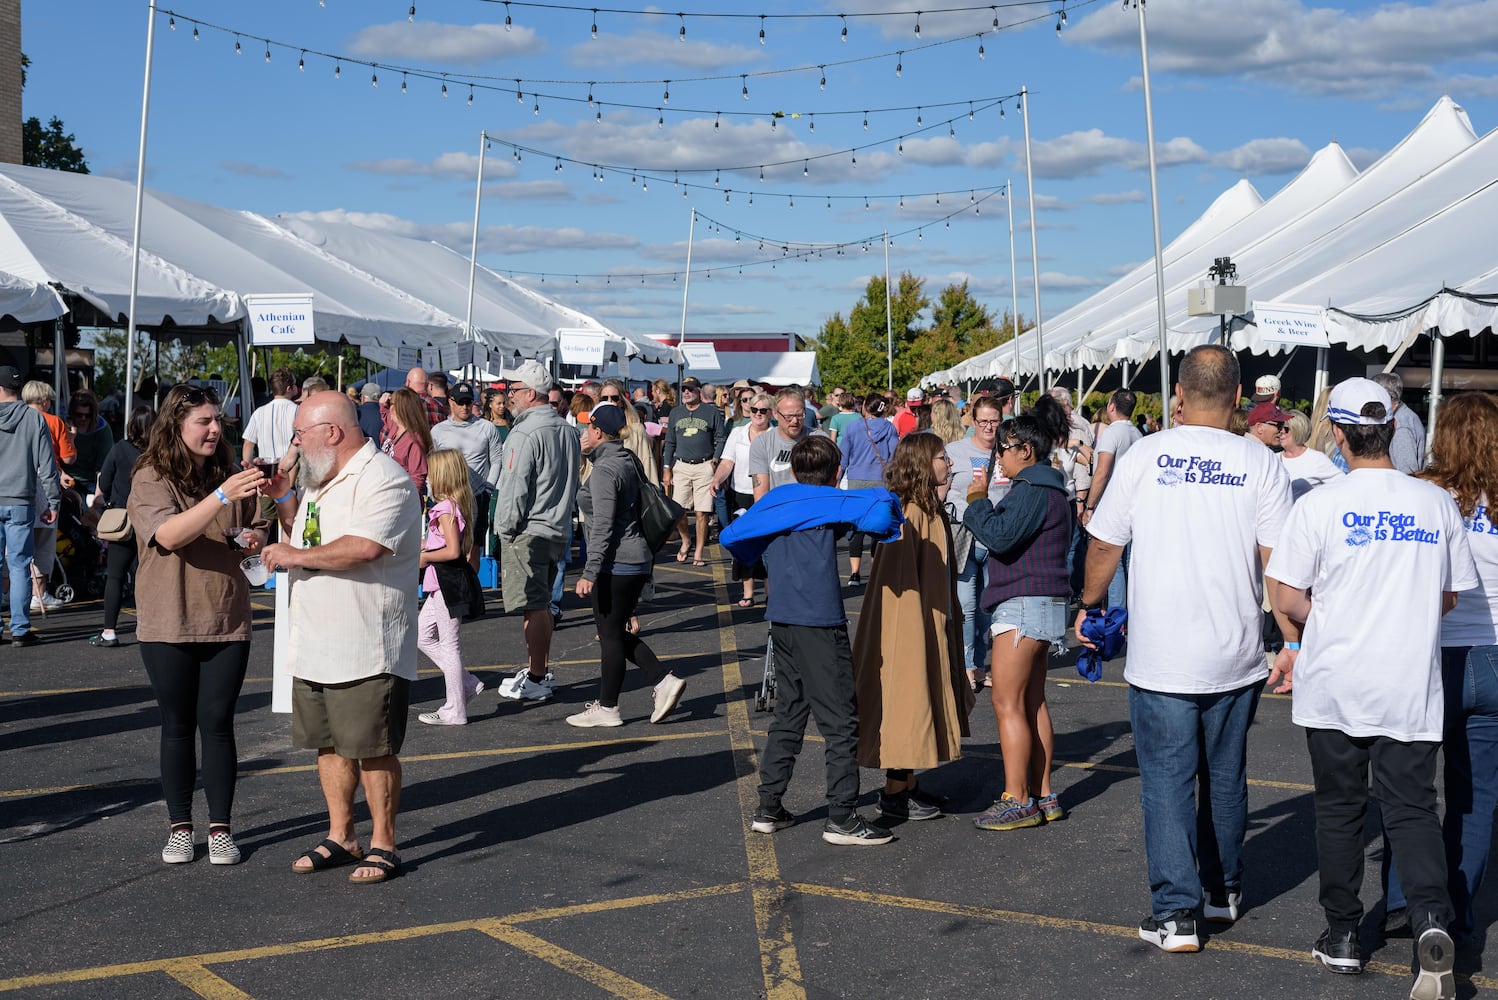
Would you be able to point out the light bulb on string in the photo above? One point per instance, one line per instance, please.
(1001, 112)
(666, 96)
(805, 168)
(761, 175)
(660, 119)
(444, 88)
(727, 195)
(267, 50)
(171, 23)
(969, 110)
(594, 34)
(716, 176)
(823, 84)
(811, 125)
(745, 78)
(337, 70)
(411, 14)
(995, 16)
(900, 146)
(751, 202)
(519, 94)
(919, 237)
(918, 24)
(772, 124)
(590, 94)
(301, 62)
(717, 119)
(681, 35)
(195, 31)
(645, 184)
(470, 95)
(980, 48)
(237, 49)
(918, 116)
(1019, 104)
(845, 26)
(507, 17)
(374, 79)
(536, 110)
(899, 63)
(558, 168)
(598, 117)
(865, 121)
(1063, 13)
(902, 201)
(951, 130)
(761, 29)
(855, 157)
(1058, 26)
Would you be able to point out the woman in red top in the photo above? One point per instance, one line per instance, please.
(411, 438)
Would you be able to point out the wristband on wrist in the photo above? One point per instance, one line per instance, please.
(1093, 607)
(222, 498)
(289, 494)
(1292, 645)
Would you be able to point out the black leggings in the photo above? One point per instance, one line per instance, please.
(122, 558)
(614, 601)
(197, 685)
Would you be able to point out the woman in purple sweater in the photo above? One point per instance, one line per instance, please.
(1026, 535)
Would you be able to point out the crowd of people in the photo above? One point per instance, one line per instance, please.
(1325, 555)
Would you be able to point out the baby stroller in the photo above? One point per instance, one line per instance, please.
(764, 701)
(79, 565)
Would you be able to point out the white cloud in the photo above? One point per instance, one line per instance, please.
(1115, 198)
(1091, 152)
(1366, 52)
(1265, 156)
(429, 41)
(492, 239)
(530, 191)
(460, 165)
(251, 169)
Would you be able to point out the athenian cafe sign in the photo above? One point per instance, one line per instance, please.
(280, 320)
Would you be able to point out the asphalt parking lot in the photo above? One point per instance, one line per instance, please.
(546, 861)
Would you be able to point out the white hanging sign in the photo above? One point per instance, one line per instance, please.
(457, 355)
(280, 320)
(408, 357)
(700, 357)
(431, 358)
(1285, 323)
(580, 347)
(623, 364)
(386, 357)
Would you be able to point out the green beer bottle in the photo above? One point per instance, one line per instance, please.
(311, 527)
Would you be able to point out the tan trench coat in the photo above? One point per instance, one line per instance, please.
(913, 695)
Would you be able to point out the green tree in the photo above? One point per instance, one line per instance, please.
(960, 327)
(853, 352)
(49, 146)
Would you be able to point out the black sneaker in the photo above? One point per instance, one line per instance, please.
(770, 820)
(24, 639)
(904, 805)
(1221, 906)
(1339, 951)
(855, 832)
(1436, 954)
(855, 580)
(1396, 923)
(1175, 932)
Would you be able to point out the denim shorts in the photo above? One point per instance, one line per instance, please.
(1041, 618)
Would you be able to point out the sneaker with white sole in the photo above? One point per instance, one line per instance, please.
(1339, 951)
(47, 603)
(767, 820)
(855, 832)
(179, 847)
(478, 689)
(594, 715)
(522, 687)
(667, 694)
(1436, 954)
(1221, 906)
(435, 719)
(221, 848)
(1175, 932)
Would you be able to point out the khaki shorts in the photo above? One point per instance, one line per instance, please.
(359, 719)
(692, 486)
(527, 567)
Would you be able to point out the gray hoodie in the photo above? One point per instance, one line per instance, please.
(538, 477)
(26, 458)
(611, 500)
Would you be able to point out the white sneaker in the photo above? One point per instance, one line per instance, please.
(667, 694)
(47, 603)
(221, 848)
(595, 715)
(435, 719)
(178, 849)
(522, 688)
(477, 690)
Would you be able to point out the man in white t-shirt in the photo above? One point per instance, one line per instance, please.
(1384, 556)
(770, 454)
(1113, 442)
(268, 430)
(1202, 509)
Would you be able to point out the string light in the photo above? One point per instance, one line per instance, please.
(918, 24)
(666, 97)
(980, 48)
(195, 32)
(745, 91)
(267, 50)
(822, 85)
(507, 17)
(337, 71)
(681, 36)
(374, 79)
(411, 14)
(845, 26)
(171, 23)
(762, 29)
(237, 50)
(899, 62)
(403, 83)
(470, 95)
(594, 34)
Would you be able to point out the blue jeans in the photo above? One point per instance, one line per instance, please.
(1470, 677)
(1182, 740)
(16, 539)
(975, 621)
(1118, 587)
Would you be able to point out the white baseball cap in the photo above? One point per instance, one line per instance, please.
(915, 395)
(1345, 405)
(531, 374)
(1266, 387)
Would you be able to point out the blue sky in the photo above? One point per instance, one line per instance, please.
(1242, 88)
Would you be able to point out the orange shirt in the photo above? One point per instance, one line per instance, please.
(62, 439)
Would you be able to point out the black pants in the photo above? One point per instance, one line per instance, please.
(813, 676)
(197, 686)
(738, 502)
(614, 600)
(1404, 783)
(121, 559)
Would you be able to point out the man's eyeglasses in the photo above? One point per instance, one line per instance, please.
(297, 432)
(761, 410)
(791, 418)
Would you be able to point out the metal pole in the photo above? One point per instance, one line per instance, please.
(140, 191)
(1013, 289)
(246, 371)
(686, 285)
(1320, 384)
(1149, 130)
(473, 256)
(889, 321)
(1024, 96)
(59, 370)
(1125, 374)
(1437, 371)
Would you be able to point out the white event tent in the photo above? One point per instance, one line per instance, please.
(1389, 253)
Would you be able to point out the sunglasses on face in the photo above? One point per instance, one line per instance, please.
(615, 398)
(194, 395)
(760, 410)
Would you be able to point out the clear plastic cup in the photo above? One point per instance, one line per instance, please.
(254, 570)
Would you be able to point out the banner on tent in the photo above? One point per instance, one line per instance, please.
(457, 355)
(408, 357)
(700, 357)
(1286, 323)
(580, 347)
(280, 320)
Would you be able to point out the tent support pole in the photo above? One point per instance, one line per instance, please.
(1125, 374)
(1093, 387)
(140, 190)
(59, 369)
(1013, 287)
(1149, 128)
(1081, 377)
(1322, 358)
(1024, 95)
(1437, 373)
(889, 321)
(686, 286)
(246, 392)
(473, 255)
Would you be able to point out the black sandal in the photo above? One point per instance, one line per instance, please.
(337, 857)
(377, 857)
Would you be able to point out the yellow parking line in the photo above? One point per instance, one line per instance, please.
(171, 966)
(205, 984)
(772, 919)
(617, 984)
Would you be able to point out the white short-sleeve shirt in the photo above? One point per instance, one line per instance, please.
(350, 624)
(1474, 620)
(270, 428)
(1196, 503)
(1376, 549)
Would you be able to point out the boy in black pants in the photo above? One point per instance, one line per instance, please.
(813, 666)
